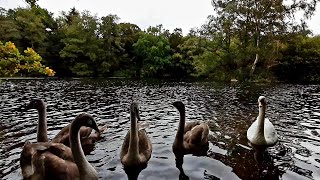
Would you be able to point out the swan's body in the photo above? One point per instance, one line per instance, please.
(192, 137)
(137, 148)
(262, 131)
(87, 138)
(57, 161)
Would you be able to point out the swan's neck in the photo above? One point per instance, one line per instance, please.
(260, 128)
(42, 125)
(180, 132)
(134, 140)
(85, 168)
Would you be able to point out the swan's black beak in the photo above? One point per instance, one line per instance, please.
(137, 114)
(179, 105)
(95, 126)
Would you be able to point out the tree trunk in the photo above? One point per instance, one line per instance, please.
(254, 64)
(257, 46)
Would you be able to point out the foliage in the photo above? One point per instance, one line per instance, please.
(153, 51)
(256, 23)
(243, 40)
(300, 60)
(29, 63)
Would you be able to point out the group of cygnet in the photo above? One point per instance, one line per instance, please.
(64, 156)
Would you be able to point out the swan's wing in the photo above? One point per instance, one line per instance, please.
(125, 145)
(252, 131)
(270, 132)
(145, 145)
(50, 166)
(27, 158)
(63, 135)
(60, 137)
(190, 125)
(199, 134)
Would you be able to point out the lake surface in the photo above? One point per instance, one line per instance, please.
(229, 109)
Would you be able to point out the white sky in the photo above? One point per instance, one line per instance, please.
(171, 14)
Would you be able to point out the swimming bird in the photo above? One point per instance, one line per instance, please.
(40, 106)
(191, 137)
(137, 148)
(262, 131)
(87, 138)
(57, 161)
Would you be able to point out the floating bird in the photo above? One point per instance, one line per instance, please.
(191, 137)
(46, 160)
(137, 148)
(87, 138)
(262, 131)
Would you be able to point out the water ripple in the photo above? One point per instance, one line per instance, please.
(228, 109)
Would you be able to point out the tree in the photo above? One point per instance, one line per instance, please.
(9, 30)
(253, 20)
(111, 44)
(153, 51)
(81, 46)
(27, 64)
(32, 3)
(299, 61)
(129, 34)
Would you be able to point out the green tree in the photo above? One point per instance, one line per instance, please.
(31, 28)
(129, 34)
(153, 52)
(255, 21)
(299, 60)
(9, 30)
(81, 45)
(111, 45)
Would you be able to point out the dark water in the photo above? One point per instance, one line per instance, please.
(228, 109)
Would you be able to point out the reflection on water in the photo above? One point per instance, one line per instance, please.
(228, 109)
(133, 172)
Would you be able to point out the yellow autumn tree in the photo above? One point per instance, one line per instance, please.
(12, 63)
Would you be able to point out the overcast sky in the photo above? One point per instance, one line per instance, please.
(184, 14)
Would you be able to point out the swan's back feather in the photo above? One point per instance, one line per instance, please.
(63, 135)
(34, 158)
(270, 134)
(49, 166)
(195, 139)
(125, 145)
(145, 145)
(188, 126)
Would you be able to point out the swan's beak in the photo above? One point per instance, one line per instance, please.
(175, 104)
(136, 112)
(95, 126)
(138, 116)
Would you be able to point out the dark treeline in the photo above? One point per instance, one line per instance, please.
(245, 40)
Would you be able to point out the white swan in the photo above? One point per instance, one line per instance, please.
(262, 132)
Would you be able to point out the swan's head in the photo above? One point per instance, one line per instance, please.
(35, 104)
(179, 105)
(86, 120)
(134, 109)
(262, 101)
